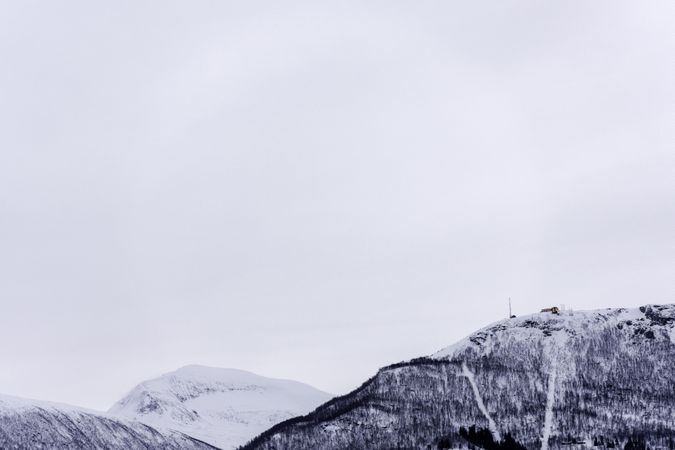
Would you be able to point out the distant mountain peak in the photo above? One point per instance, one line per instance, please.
(224, 407)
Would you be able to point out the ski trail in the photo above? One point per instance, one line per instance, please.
(491, 423)
(550, 399)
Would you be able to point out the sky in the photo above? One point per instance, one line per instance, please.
(313, 190)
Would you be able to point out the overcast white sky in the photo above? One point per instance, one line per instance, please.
(314, 190)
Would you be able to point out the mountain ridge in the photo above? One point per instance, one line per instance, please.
(29, 424)
(549, 381)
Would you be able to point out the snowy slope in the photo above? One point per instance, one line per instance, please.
(28, 424)
(546, 381)
(224, 407)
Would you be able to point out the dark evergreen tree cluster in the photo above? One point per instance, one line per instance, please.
(483, 438)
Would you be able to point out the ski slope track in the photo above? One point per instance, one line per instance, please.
(479, 401)
(547, 381)
(548, 416)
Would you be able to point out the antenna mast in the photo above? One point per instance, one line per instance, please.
(510, 307)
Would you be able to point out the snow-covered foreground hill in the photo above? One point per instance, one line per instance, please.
(601, 379)
(28, 425)
(224, 407)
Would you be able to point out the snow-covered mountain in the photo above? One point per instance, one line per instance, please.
(224, 407)
(27, 425)
(601, 379)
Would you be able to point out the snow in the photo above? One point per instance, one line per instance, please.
(535, 361)
(562, 377)
(556, 334)
(529, 327)
(28, 423)
(479, 400)
(548, 415)
(12, 404)
(223, 407)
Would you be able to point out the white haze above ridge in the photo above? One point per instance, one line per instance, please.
(314, 190)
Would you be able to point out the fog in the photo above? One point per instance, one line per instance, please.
(314, 190)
